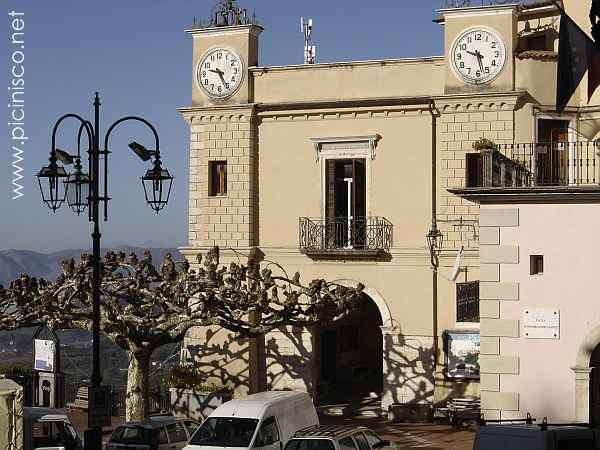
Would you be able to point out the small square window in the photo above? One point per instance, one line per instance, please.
(217, 178)
(536, 264)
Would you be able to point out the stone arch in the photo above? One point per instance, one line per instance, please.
(582, 372)
(384, 310)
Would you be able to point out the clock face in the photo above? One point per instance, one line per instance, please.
(220, 73)
(478, 56)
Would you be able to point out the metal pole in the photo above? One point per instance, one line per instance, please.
(96, 443)
(434, 258)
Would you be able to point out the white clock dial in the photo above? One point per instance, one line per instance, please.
(220, 73)
(478, 56)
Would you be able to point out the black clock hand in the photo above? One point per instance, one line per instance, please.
(220, 72)
(480, 60)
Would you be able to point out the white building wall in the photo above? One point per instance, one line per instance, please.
(567, 236)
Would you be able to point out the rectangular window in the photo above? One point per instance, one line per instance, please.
(217, 178)
(345, 202)
(474, 170)
(536, 264)
(462, 350)
(467, 302)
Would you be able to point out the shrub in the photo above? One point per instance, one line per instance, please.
(484, 143)
(11, 371)
(190, 377)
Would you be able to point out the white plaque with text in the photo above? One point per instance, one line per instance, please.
(541, 323)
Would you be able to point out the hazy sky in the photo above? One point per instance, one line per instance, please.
(137, 55)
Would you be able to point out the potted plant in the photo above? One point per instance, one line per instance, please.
(192, 396)
(484, 144)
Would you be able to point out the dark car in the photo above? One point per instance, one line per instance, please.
(155, 433)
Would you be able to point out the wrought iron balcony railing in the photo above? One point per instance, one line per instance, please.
(361, 236)
(447, 4)
(534, 164)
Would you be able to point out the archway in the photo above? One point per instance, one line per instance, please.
(349, 356)
(594, 388)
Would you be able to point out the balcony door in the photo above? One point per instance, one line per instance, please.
(345, 202)
(552, 155)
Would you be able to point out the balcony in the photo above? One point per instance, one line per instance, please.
(449, 4)
(556, 164)
(340, 237)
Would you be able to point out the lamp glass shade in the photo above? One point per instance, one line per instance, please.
(77, 188)
(51, 188)
(157, 185)
(435, 240)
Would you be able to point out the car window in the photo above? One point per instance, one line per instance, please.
(576, 444)
(191, 426)
(361, 440)
(269, 434)
(347, 444)
(372, 438)
(162, 436)
(176, 433)
(225, 432)
(310, 444)
(131, 435)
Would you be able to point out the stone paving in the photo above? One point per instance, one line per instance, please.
(402, 436)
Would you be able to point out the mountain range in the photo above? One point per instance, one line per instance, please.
(47, 265)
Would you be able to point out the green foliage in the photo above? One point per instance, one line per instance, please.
(190, 377)
(484, 144)
(15, 371)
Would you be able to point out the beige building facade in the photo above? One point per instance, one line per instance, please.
(336, 171)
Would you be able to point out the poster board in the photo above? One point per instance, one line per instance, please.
(44, 353)
(462, 350)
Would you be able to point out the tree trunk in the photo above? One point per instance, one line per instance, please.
(137, 401)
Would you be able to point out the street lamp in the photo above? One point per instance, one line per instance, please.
(82, 190)
(435, 242)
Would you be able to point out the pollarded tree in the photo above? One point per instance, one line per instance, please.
(144, 308)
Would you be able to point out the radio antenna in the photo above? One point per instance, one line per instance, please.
(310, 51)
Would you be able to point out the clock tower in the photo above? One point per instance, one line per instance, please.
(220, 51)
(479, 48)
(223, 129)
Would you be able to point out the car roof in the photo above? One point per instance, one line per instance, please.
(528, 429)
(47, 414)
(328, 431)
(253, 405)
(156, 421)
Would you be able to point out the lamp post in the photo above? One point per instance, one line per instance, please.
(435, 242)
(82, 191)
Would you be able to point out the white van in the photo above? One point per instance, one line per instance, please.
(263, 421)
(49, 429)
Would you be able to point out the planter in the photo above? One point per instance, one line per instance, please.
(188, 403)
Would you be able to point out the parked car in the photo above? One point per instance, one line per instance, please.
(531, 436)
(49, 428)
(336, 437)
(266, 420)
(155, 433)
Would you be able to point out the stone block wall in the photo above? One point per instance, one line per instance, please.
(459, 125)
(229, 220)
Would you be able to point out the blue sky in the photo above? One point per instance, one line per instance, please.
(137, 55)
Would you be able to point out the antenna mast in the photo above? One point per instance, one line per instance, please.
(310, 51)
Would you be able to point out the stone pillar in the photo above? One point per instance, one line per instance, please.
(582, 393)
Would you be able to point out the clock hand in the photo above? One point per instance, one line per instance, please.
(221, 73)
(479, 59)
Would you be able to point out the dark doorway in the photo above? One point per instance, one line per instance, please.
(346, 203)
(328, 355)
(595, 387)
(351, 356)
(552, 152)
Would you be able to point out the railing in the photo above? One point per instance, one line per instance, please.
(447, 4)
(361, 235)
(535, 164)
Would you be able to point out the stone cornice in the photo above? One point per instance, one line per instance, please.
(218, 113)
(477, 102)
(538, 194)
(221, 31)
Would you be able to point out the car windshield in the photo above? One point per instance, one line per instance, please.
(135, 435)
(310, 444)
(225, 432)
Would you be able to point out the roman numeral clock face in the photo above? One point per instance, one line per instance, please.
(220, 73)
(478, 56)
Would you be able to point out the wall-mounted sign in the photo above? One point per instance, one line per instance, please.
(541, 323)
(462, 354)
(44, 355)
